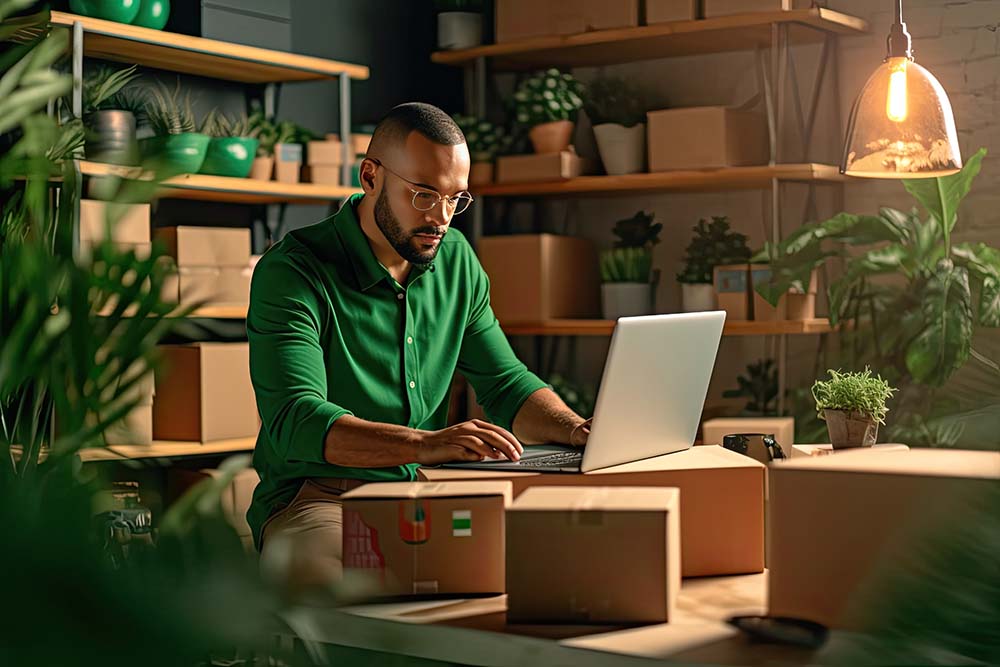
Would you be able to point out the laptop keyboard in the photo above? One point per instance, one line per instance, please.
(556, 460)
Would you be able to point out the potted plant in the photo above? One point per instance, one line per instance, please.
(263, 129)
(120, 11)
(152, 14)
(459, 23)
(617, 110)
(232, 147)
(547, 102)
(760, 387)
(110, 114)
(176, 147)
(713, 244)
(483, 138)
(626, 270)
(853, 406)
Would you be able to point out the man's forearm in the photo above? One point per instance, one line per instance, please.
(545, 417)
(356, 443)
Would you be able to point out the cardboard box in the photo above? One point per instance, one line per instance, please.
(732, 290)
(235, 498)
(705, 138)
(826, 450)
(428, 539)
(554, 277)
(130, 222)
(523, 19)
(664, 11)
(760, 274)
(838, 522)
(713, 8)
(722, 522)
(783, 429)
(287, 162)
(323, 174)
(208, 285)
(359, 141)
(538, 167)
(801, 305)
(329, 152)
(593, 555)
(137, 426)
(203, 393)
(206, 246)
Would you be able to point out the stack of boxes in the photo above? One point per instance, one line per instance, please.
(213, 265)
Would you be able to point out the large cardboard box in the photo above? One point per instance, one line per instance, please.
(130, 222)
(722, 495)
(705, 138)
(839, 522)
(235, 498)
(203, 393)
(554, 277)
(826, 450)
(732, 291)
(538, 167)
(210, 285)
(428, 539)
(783, 429)
(206, 246)
(713, 8)
(664, 11)
(593, 555)
(523, 19)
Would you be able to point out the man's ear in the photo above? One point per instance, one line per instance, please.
(368, 175)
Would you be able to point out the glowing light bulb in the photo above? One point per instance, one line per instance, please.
(896, 106)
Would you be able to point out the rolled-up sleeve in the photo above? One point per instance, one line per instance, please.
(501, 381)
(287, 364)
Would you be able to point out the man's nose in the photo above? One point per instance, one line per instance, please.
(440, 215)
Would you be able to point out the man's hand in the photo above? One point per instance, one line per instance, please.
(469, 441)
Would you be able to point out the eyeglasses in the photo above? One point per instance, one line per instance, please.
(425, 201)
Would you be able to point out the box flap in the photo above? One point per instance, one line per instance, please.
(919, 462)
(598, 498)
(382, 490)
(694, 458)
(730, 422)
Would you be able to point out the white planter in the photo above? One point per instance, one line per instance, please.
(697, 297)
(459, 30)
(623, 149)
(626, 300)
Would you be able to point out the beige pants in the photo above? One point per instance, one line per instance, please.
(302, 544)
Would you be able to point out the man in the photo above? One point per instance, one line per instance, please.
(356, 327)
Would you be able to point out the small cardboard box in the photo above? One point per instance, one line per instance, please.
(801, 305)
(593, 555)
(554, 277)
(841, 521)
(783, 429)
(287, 163)
(235, 499)
(731, 290)
(713, 8)
(129, 222)
(722, 525)
(329, 152)
(322, 174)
(538, 167)
(760, 274)
(203, 393)
(206, 246)
(416, 538)
(705, 138)
(523, 19)
(664, 11)
(359, 141)
(210, 285)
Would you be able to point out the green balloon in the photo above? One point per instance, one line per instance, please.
(153, 14)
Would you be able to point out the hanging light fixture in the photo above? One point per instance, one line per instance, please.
(901, 125)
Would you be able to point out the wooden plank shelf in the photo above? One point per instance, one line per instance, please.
(702, 180)
(228, 190)
(167, 449)
(679, 38)
(185, 54)
(221, 312)
(606, 327)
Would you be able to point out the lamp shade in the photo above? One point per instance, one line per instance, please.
(901, 126)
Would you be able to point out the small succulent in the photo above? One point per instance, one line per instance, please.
(483, 137)
(616, 100)
(714, 244)
(263, 129)
(219, 124)
(169, 112)
(631, 260)
(853, 392)
(547, 96)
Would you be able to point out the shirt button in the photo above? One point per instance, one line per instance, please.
(412, 384)
(400, 296)
(409, 340)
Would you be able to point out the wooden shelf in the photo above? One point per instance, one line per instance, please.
(680, 38)
(606, 327)
(185, 54)
(167, 449)
(703, 180)
(229, 190)
(221, 312)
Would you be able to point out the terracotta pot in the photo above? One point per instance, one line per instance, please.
(262, 168)
(850, 429)
(551, 137)
(481, 173)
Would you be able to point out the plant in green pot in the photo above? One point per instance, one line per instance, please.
(627, 275)
(484, 140)
(120, 11)
(152, 14)
(111, 111)
(176, 148)
(853, 405)
(547, 102)
(617, 110)
(232, 147)
(459, 23)
(713, 244)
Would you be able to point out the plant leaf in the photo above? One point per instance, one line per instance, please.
(943, 346)
(942, 196)
(989, 303)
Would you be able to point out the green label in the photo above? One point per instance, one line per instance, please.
(461, 523)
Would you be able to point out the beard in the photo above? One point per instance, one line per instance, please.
(405, 243)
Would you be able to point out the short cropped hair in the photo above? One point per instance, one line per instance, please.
(427, 119)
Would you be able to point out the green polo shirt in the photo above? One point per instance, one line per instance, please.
(332, 333)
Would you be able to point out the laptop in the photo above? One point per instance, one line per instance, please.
(650, 400)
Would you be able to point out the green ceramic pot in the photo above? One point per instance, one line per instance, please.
(174, 154)
(152, 14)
(230, 156)
(121, 11)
